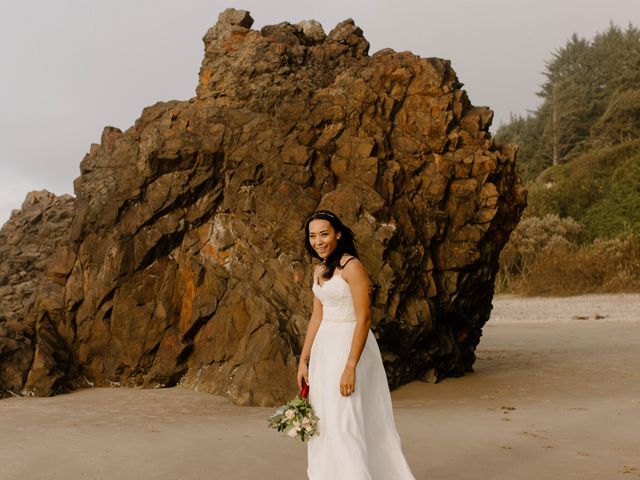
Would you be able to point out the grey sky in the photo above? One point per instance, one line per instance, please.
(70, 67)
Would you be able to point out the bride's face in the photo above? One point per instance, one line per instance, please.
(323, 237)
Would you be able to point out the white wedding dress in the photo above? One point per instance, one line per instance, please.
(357, 437)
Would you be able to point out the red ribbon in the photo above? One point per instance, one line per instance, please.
(304, 393)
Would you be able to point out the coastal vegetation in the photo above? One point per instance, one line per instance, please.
(579, 155)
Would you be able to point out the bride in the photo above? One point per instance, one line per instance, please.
(341, 362)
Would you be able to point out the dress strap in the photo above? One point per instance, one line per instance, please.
(339, 270)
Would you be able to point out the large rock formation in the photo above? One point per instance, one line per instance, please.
(184, 261)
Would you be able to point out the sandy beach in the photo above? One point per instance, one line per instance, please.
(555, 395)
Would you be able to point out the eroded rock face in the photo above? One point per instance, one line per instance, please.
(185, 263)
(30, 263)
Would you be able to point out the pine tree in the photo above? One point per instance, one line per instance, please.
(586, 98)
(568, 106)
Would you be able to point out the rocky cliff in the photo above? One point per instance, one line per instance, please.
(184, 262)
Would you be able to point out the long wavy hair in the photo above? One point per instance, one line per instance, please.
(346, 242)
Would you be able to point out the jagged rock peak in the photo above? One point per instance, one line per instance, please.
(241, 64)
(231, 16)
(312, 29)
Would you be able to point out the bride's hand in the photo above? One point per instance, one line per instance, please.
(303, 372)
(348, 381)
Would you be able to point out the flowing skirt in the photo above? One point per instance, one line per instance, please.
(357, 437)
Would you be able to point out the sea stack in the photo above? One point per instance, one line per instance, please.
(180, 259)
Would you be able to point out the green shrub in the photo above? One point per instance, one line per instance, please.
(530, 238)
(621, 120)
(602, 266)
(619, 210)
(600, 189)
(544, 257)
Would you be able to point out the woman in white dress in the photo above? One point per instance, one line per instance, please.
(341, 362)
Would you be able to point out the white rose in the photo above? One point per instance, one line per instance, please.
(289, 414)
(292, 432)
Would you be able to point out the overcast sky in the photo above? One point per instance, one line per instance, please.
(70, 67)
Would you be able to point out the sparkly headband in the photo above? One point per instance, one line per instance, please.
(315, 214)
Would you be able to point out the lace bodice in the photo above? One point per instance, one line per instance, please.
(336, 299)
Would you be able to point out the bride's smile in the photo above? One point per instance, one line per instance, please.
(323, 237)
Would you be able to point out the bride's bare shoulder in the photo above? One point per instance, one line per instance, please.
(346, 259)
(352, 268)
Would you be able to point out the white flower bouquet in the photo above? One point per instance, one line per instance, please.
(296, 418)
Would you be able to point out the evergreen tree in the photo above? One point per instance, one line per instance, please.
(568, 108)
(621, 120)
(587, 98)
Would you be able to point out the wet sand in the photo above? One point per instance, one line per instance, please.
(555, 395)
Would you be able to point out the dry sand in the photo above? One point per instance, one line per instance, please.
(555, 395)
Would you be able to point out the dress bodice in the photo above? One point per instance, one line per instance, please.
(336, 299)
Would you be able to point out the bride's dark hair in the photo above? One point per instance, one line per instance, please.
(346, 242)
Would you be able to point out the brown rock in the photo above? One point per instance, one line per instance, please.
(29, 261)
(184, 261)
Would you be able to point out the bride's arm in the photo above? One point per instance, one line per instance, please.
(358, 279)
